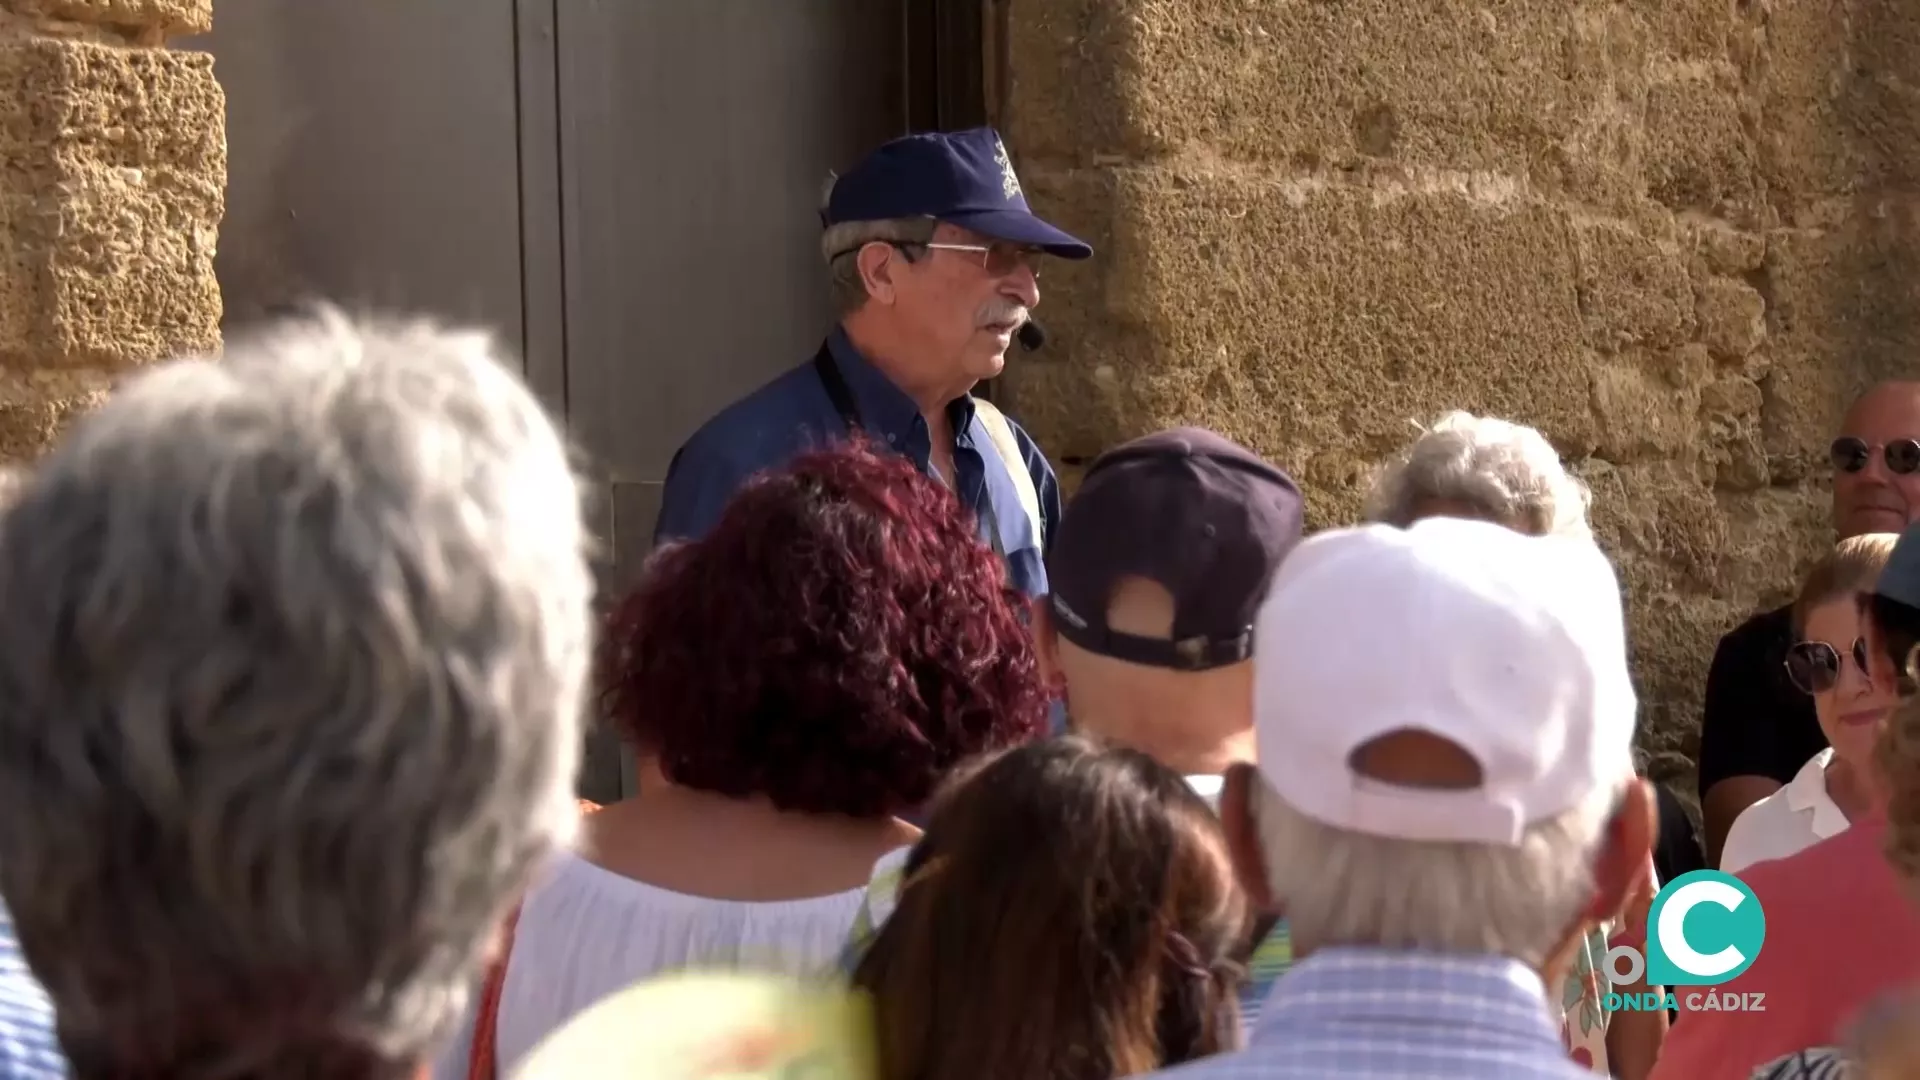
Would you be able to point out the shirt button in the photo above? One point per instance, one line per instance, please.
(891, 439)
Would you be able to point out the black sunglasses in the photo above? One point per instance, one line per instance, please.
(1850, 455)
(1814, 666)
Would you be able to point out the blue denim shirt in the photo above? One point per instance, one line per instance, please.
(793, 414)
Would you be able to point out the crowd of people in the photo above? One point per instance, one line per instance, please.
(299, 643)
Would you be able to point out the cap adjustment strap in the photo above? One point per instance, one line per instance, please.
(1197, 653)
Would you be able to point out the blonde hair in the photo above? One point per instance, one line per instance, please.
(1851, 567)
(1898, 756)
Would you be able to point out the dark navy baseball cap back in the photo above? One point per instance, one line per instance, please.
(964, 178)
(1206, 518)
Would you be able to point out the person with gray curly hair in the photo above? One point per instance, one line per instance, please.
(291, 673)
(1483, 468)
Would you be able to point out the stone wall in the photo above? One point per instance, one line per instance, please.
(1677, 235)
(110, 202)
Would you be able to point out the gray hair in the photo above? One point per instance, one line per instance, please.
(840, 246)
(291, 672)
(1347, 888)
(1505, 472)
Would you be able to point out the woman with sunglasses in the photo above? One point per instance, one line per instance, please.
(1829, 662)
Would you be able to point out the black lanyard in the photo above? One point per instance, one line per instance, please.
(842, 397)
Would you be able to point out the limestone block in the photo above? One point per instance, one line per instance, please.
(117, 159)
(1078, 406)
(1723, 249)
(1881, 105)
(36, 405)
(1841, 114)
(1538, 87)
(1633, 289)
(1732, 317)
(166, 17)
(1640, 414)
(1774, 535)
(1318, 322)
(1841, 317)
(1730, 433)
(1660, 523)
(1699, 155)
(1069, 64)
(1689, 30)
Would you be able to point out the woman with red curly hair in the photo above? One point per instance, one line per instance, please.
(791, 684)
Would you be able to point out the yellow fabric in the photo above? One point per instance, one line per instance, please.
(1008, 447)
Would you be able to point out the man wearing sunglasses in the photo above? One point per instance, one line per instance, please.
(1757, 730)
(934, 259)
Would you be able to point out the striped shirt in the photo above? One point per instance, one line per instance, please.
(29, 1049)
(1354, 1014)
(1819, 1063)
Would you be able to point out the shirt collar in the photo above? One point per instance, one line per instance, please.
(1389, 987)
(1807, 793)
(884, 407)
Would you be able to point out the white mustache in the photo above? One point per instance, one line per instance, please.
(1016, 314)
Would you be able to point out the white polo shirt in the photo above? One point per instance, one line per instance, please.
(1796, 817)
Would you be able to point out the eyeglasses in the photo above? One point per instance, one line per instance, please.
(1850, 455)
(998, 260)
(1814, 666)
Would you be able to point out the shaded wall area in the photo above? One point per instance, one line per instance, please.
(1677, 235)
(110, 202)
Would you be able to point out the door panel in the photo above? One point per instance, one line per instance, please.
(374, 157)
(694, 143)
(695, 140)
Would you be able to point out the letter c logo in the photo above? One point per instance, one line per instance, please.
(1704, 908)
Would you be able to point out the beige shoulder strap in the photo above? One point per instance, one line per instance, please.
(1001, 433)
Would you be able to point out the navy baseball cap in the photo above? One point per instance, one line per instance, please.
(963, 178)
(1900, 579)
(1202, 516)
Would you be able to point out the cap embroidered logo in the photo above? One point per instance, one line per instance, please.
(1009, 183)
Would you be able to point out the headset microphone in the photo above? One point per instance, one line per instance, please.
(1031, 335)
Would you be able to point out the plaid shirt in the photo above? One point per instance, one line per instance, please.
(29, 1050)
(1354, 1014)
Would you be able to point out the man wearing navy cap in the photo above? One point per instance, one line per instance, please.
(934, 260)
(1164, 556)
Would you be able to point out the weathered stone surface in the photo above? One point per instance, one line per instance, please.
(1633, 289)
(1287, 317)
(1699, 155)
(117, 159)
(1732, 316)
(1678, 235)
(36, 405)
(167, 18)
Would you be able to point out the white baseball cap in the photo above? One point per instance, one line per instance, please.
(1511, 647)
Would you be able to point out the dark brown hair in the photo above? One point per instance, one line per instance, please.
(1070, 914)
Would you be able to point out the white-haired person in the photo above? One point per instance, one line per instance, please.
(1440, 851)
(292, 666)
(1489, 469)
(1486, 469)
